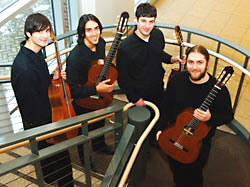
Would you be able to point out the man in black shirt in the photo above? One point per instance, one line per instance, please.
(139, 61)
(30, 80)
(189, 89)
(140, 71)
(90, 47)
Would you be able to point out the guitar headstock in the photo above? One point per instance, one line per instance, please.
(224, 76)
(123, 22)
(178, 34)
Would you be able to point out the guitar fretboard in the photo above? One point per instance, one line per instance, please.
(205, 105)
(59, 63)
(110, 57)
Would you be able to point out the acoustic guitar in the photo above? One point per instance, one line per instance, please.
(182, 142)
(100, 71)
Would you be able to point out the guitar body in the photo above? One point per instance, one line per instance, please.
(60, 111)
(180, 145)
(101, 100)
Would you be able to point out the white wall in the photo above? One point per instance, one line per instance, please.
(107, 10)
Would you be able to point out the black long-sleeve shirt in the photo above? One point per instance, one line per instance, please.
(139, 63)
(78, 65)
(181, 93)
(30, 80)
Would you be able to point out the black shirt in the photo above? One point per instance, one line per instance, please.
(77, 67)
(139, 63)
(30, 80)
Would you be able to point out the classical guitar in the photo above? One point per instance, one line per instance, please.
(179, 39)
(60, 100)
(182, 142)
(100, 71)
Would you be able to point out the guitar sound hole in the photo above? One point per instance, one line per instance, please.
(188, 130)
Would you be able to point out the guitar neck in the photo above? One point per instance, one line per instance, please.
(181, 52)
(114, 48)
(181, 57)
(206, 103)
(110, 57)
(210, 98)
(59, 64)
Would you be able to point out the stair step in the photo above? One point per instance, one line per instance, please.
(4, 115)
(5, 126)
(5, 122)
(3, 108)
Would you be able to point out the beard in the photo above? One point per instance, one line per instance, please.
(202, 75)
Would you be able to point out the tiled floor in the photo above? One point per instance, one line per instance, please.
(226, 19)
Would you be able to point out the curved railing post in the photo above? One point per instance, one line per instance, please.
(139, 142)
(240, 86)
(139, 117)
(216, 59)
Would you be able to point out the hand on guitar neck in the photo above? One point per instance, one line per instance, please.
(104, 87)
(177, 59)
(202, 115)
(63, 75)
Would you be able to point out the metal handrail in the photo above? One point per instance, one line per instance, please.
(171, 27)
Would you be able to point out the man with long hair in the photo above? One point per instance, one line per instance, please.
(189, 89)
(90, 46)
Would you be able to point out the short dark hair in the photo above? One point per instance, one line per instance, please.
(35, 23)
(81, 25)
(199, 49)
(145, 10)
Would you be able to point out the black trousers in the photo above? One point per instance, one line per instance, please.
(190, 175)
(155, 95)
(57, 168)
(97, 143)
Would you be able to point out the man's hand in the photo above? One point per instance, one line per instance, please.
(201, 115)
(177, 59)
(63, 75)
(104, 87)
(140, 102)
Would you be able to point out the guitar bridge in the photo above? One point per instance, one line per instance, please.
(96, 97)
(178, 145)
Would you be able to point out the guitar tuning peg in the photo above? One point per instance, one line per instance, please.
(117, 18)
(174, 35)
